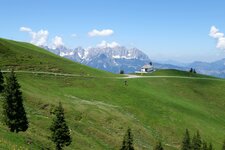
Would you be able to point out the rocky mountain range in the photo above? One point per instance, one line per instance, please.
(114, 59)
(215, 68)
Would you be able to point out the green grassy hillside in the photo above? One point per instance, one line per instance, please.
(99, 110)
(25, 56)
(173, 72)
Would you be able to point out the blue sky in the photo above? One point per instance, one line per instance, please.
(175, 29)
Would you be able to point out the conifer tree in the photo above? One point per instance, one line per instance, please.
(194, 71)
(13, 109)
(186, 143)
(128, 141)
(204, 145)
(223, 148)
(210, 147)
(121, 71)
(159, 146)
(60, 131)
(196, 142)
(1, 82)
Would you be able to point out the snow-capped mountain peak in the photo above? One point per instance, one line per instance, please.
(110, 59)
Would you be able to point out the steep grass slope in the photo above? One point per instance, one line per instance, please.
(99, 110)
(25, 56)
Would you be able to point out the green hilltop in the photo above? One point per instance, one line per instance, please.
(25, 56)
(99, 107)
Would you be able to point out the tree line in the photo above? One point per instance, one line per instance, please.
(14, 117)
(192, 70)
(196, 143)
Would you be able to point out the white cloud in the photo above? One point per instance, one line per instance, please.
(221, 43)
(25, 29)
(214, 32)
(105, 32)
(57, 42)
(219, 36)
(104, 44)
(37, 38)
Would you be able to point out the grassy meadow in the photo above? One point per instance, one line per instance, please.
(99, 109)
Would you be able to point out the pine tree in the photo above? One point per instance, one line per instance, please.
(194, 71)
(210, 147)
(159, 146)
(1, 82)
(121, 71)
(127, 141)
(204, 145)
(223, 148)
(13, 109)
(196, 142)
(60, 131)
(186, 143)
(191, 70)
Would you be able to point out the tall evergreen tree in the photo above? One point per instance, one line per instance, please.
(1, 82)
(128, 141)
(196, 142)
(223, 148)
(186, 143)
(60, 131)
(194, 71)
(121, 71)
(204, 145)
(159, 146)
(210, 147)
(13, 109)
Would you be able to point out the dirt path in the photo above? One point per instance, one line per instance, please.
(127, 76)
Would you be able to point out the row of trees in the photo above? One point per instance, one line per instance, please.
(14, 114)
(192, 70)
(187, 144)
(196, 143)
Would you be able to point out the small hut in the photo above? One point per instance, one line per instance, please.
(146, 68)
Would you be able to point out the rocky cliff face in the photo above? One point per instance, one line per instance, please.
(109, 59)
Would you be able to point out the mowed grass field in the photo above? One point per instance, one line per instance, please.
(100, 109)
